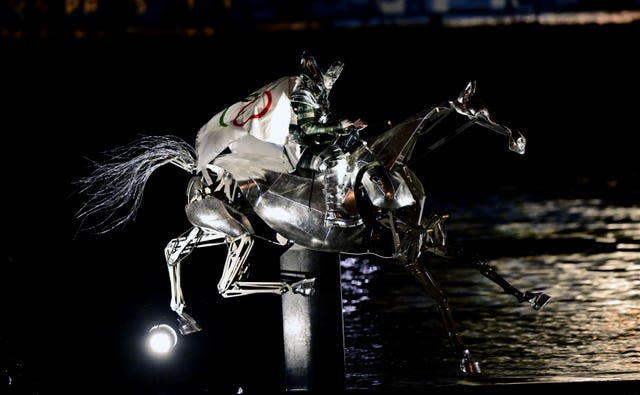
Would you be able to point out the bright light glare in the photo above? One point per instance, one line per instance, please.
(162, 338)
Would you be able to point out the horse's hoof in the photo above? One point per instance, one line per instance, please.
(188, 328)
(304, 287)
(537, 299)
(187, 325)
(468, 365)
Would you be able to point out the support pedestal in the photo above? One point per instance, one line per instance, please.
(312, 325)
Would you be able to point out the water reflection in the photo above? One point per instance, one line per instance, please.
(584, 253)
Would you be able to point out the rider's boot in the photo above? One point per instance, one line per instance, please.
(334, 167)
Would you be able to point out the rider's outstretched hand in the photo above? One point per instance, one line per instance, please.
(358, 124)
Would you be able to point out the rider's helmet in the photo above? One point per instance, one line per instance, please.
(332, 74)
(315, 85)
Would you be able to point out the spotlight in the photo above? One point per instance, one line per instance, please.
(162, 339)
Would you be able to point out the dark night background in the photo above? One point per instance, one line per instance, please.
(77, 305)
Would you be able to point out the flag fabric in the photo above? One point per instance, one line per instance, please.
(257, 124)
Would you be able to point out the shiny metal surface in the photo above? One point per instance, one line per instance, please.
(387, 189)
(387, 221)
(294, 207)
(211, 213)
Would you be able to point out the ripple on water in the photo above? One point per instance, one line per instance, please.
(589, 331)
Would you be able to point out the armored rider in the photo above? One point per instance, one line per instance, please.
(315, 129)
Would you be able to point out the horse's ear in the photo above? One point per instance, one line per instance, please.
(467, 92)
(310, 68)
(303, 58)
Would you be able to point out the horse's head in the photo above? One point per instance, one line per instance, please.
(436, 126)
(464, 105)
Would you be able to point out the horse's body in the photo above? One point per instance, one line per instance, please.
(386, 202)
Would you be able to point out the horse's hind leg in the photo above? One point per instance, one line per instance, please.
(231, 282)
(175, 251)
(429, 284)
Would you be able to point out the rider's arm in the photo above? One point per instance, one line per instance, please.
(310, 125)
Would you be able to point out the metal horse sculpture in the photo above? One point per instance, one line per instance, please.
(228, 198)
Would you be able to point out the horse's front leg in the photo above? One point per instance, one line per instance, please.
(537, 299)
(436, 244)
(175, 251)
(426, 237)
(429, 284)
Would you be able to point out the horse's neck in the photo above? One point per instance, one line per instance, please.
(398, 143)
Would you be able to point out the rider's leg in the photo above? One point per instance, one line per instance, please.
(332, 162)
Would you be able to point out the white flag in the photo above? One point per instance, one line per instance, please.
(265, 115)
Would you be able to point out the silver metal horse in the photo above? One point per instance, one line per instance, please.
(230, 193)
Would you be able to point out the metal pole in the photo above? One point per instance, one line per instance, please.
(312, 325)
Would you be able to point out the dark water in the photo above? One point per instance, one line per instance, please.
(585, 253)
